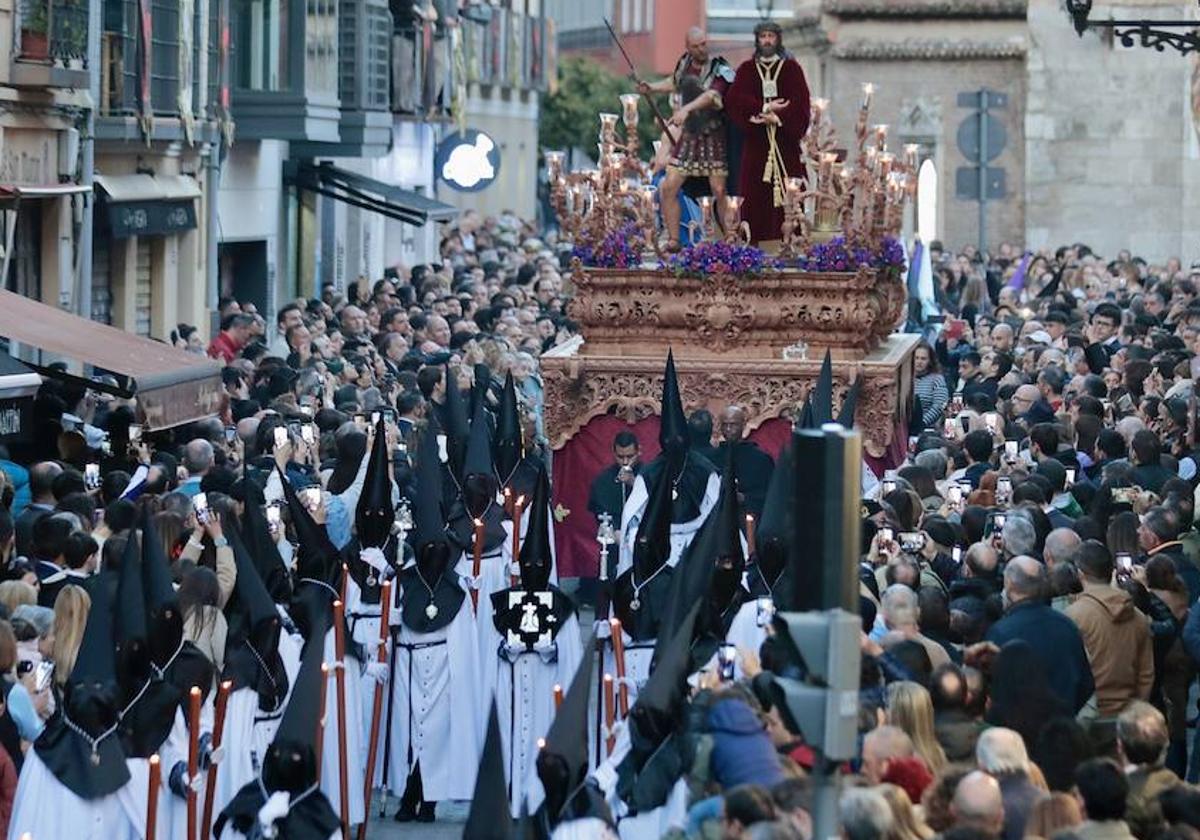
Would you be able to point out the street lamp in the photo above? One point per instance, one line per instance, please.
(1180, 35)
(765, 7)
(1079, 11)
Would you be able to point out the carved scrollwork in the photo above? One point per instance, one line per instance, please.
(726, 315)
(579, 388)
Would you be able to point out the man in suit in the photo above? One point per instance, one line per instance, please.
(611, 487)
(409, 407)
(751, 465)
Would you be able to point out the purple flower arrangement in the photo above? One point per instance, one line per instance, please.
(838, 255)
(707, 258)
(620, 248)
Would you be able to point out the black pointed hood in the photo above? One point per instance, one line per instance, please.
(489, 818)
(822, 394)
(317, 558)
(163, 616)
(562, 765)
(132, 639)
(429, 524)
(251, 610)
(456, 426)
(536, 560)
(659, 701)
(481, 381)
(374, 514)
(291, 760)
(773, 534)
(652, 544)
(720, 539)
(89, 769)
(431, 547)
(673, 431)
(263, 549)
(510, 444)
(479, 446)
(849, 404)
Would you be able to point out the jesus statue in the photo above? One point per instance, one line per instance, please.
(769, 100)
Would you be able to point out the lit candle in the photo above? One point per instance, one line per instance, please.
(476, 560)
(558, 695)
(609, 712)
(618, 643)
(911, 150)
(152, 799)
(825, 173)
(750, 533)
(885, 164)
(554, 164)
(868, 91)
(516, 523)
(819, 106)
(629, 110)
(881, 133)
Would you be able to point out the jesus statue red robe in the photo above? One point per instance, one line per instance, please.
(769, 99)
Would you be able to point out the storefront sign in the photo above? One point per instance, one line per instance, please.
(150, 218)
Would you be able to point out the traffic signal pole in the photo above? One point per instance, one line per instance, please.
(824, 561)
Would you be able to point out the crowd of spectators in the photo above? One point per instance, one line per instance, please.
(1026, 573)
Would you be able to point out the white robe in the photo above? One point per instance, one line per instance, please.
(172, 809)
(525, 705)
(46, 810)
(248, 733)
(249, 730)
(364, 621)
(330, 759)
(436, 709)
(682, 533)
(637, 671)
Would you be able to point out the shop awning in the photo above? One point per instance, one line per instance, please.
(369, 193)
(148, 205)
(172, 387)
(11, 194)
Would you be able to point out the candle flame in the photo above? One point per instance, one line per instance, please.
(478, 523)
(520, 500)
(154, 759)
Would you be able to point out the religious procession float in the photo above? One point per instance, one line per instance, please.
(748, 324)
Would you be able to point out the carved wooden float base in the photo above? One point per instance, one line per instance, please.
(632, 311)
(583, 381)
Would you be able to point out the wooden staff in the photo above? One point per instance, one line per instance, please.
(609, 713)
(476, 563)
(321, 717)
(618, 643)
(750, 533)
(193, 758)
(339, 649)
(385, 603)
(152, 797)
(218, 732)
(558, 695)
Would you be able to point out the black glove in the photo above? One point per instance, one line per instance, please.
(206, 750)
(177, 781)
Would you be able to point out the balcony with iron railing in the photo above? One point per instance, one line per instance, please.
(286, 72)
(50, 44)
(171, 102)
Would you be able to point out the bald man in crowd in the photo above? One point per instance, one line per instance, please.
(751, 465)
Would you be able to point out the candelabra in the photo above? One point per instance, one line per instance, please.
(863, 202)
(859, 195)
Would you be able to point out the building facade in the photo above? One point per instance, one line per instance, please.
(1089, 126)
(45, 113)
